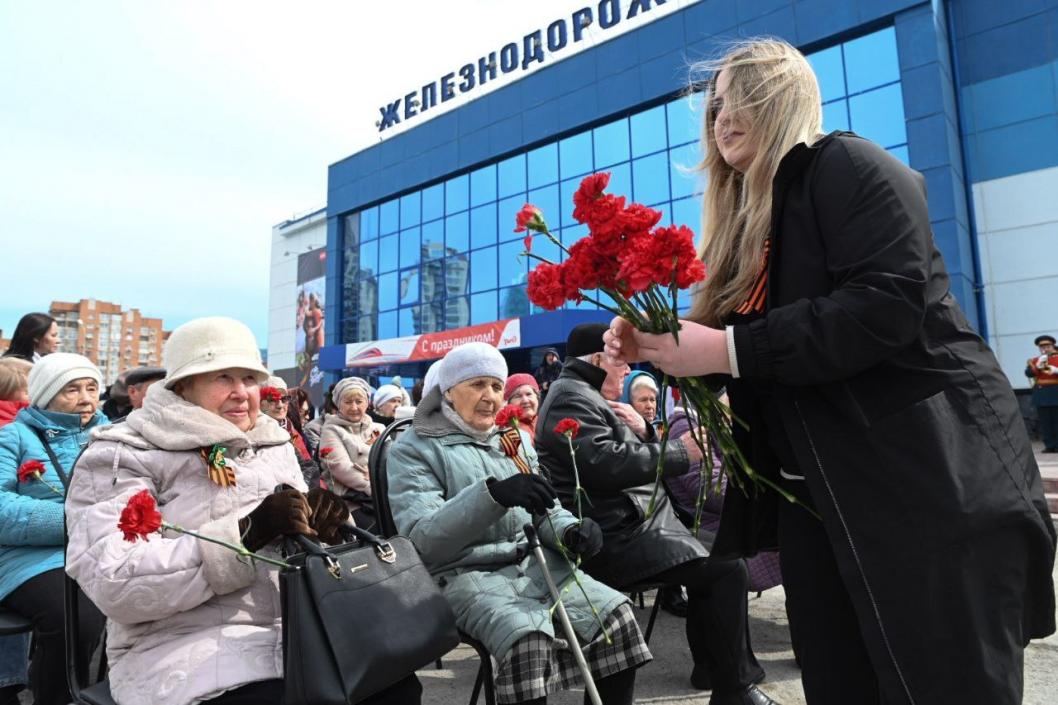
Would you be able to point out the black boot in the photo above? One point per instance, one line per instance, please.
(673, 601)
(616, 689)
(749, 696)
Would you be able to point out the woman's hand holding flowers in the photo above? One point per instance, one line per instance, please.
(700, 351)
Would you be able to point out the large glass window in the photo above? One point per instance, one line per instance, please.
(447, 256)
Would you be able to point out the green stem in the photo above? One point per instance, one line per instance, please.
(237, 548)
(576, 578)
(664, 443)
(47, 484)
(555, 240)
(577, 490)
(545, 260)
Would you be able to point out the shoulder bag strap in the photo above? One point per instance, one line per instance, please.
(59, 469)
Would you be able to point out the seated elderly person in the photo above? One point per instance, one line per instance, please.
(191, 621)
(463, 501)
(64, 409)
(641, 392)
(523, 392)
(345, 443)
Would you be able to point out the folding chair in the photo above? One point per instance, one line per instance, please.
(83, 694)
(376, 465)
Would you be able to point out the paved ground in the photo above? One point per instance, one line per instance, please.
(666, 679)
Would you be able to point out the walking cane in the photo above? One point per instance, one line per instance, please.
(534, 545)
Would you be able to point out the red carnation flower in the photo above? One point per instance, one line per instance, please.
(510, 415)
(545, 286)
(676, 395)
(530, 218)
(591, 188)
(271, 394)
(639, 265)
(140, 517)
(324, 452)
(638, 218)
(673, 253)
(30, 470)
(568, 426)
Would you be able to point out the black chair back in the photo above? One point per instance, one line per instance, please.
(376, 467)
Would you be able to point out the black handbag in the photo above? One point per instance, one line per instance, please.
(357, 618)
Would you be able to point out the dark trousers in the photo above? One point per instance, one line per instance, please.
(40, 599)
(717, 619)
(835, 668)
(403, 692)
(1048, 417)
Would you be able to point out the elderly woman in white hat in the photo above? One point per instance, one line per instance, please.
(345, 443)
(461, 489)
(190, 621)
(64, 408)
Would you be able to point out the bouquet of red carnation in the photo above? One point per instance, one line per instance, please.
(640, 267)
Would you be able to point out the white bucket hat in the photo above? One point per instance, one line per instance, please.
(211, 344)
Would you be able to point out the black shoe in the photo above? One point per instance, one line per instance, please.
(701, 678)
(750, 696)
(673, 601)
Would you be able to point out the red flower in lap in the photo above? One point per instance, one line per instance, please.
(140, 517)
(30, 470)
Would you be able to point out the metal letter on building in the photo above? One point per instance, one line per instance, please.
(556, 35)
(486, 70)
(429, 97)
(448, 87)
(609, 19)
(467, 72)
(640, 4)
(532, 49)
(390, 116)
(581, 19)
(411, 101)
(509, 58)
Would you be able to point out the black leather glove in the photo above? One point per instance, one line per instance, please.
(530, 492)
(327, 513)
(584, 539)
(280, 513)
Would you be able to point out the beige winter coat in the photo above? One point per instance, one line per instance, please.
(187, 620)
(349, 443)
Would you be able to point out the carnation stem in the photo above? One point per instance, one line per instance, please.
(47, 484)
(237, 548)
(664, 443)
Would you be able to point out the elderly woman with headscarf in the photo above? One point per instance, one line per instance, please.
(462, 489)
(191, 621)
(345, 443)
(63, 391)
(522, 391)
(641, 391)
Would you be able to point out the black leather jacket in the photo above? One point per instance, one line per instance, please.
(617, 470)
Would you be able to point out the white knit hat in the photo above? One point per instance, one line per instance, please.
(386, 393)
(429, 381)
(211, 344)
(471, 360)
(347, 383)
(277, 382)
(55, 371)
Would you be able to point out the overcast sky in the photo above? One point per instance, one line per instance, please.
(147, 149)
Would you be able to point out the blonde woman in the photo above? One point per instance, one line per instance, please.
(868, 395)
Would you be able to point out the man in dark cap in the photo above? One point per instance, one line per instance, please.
(137, 380)
(1043, 370)
(617, 464)
(548, 371)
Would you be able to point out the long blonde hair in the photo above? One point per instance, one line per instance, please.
(773, 91)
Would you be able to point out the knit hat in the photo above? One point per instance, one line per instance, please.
(211, 344)
(347, 383)
(519, 380)
(430, 380)
(386, 393)
(277, 382)
(1044, 339)
(55, 371)
(585, 339)
(470, 360)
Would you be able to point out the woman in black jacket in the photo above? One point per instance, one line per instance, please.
(868, 396)
(36, 335)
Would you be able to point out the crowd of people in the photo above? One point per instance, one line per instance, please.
(916, 561)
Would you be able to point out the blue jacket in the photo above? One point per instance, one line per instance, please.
(31, 514)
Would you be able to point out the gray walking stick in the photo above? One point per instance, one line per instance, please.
(567, 627)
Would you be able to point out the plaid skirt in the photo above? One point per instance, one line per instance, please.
(538, 664)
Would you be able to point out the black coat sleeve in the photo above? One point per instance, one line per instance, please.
(874, 225)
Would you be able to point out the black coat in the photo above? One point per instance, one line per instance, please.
(905, 428)
(617, 472)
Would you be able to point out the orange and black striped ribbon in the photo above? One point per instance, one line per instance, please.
(755, 302)
(511, 442)
(218, 470)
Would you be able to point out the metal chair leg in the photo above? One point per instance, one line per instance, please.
(653, 616)
(477, 686)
